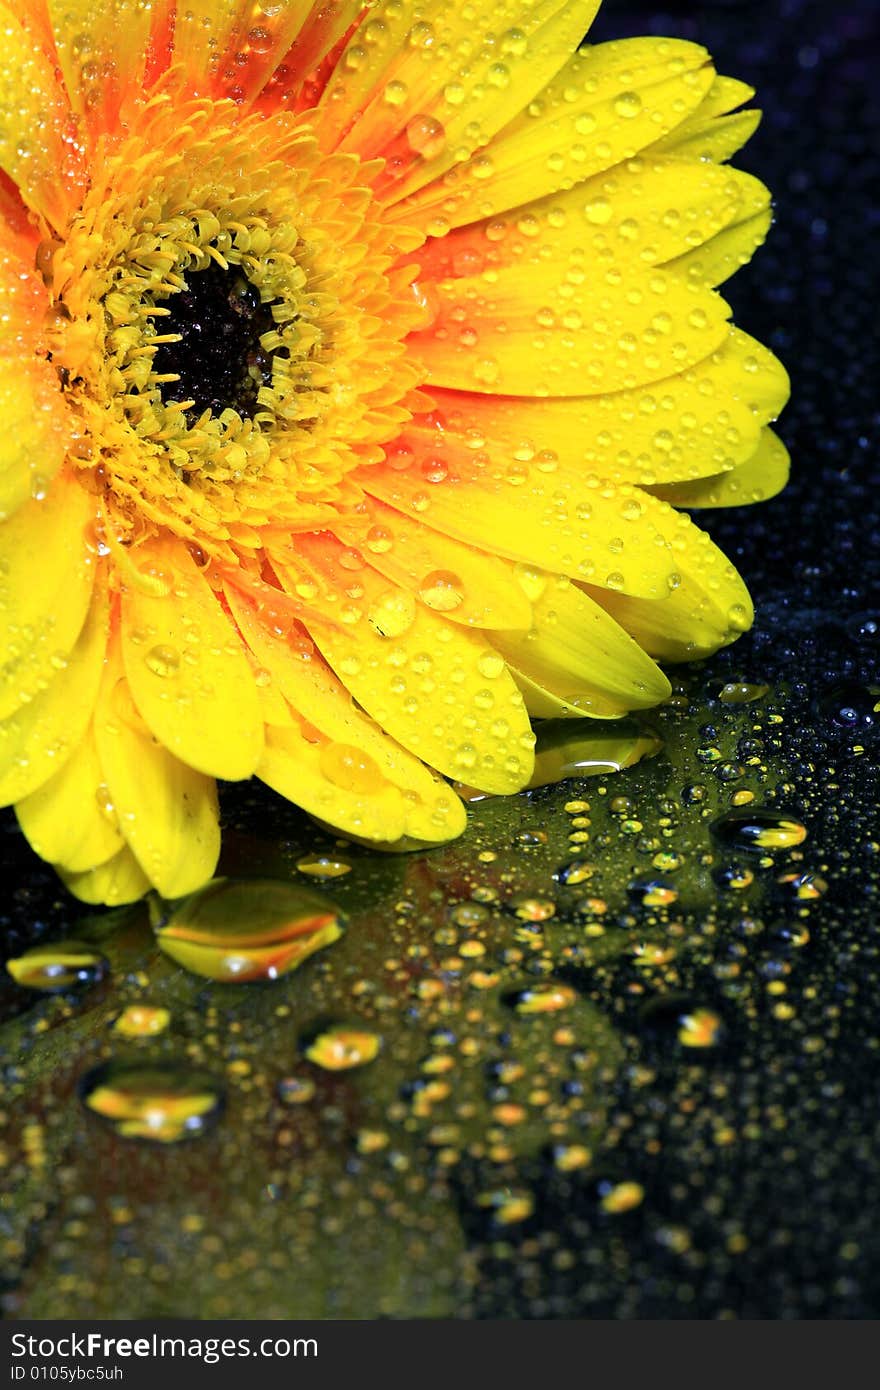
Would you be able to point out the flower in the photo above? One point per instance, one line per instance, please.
(354, 363)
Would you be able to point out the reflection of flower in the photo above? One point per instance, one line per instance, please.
(353, 354)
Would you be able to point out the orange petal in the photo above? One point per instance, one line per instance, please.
(101, 47)
(37, 150)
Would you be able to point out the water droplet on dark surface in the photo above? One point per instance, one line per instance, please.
(58, 965)
(850, 708)
(681, 1019)
(548, 997)
(165, 1102)
(758, 829)
(341, 1047)
(576, 871)
(236, 931)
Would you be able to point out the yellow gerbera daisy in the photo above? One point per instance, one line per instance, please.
(354, 361)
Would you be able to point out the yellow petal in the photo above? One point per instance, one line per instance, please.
(709, 608)
(35, 431)
(166, 811)
(37, 150)
(604, 106)
(709, 132)
(292, 766)
(43, 734)
(725, 94)
(579, 654)
(69, 820)
(121, 880)
(462, 583)
(324, 717)
(186, 668)
(593, 531)
(689, 426)
(540, 702)
(760, 478)
(558, 329)
(456, 76)
(644, 213)
(725, 253)
(437, 688)
(764, 385)
(40, 545)
(45, 590)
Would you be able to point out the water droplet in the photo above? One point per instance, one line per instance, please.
(576, 871)
(547, 997)
(395, 93)
(490, 665)
(250, 929)
(758, 829)
(350, 769)
(700, 1028)
(532, 909)
(393, 613)
(323, 866)
(576, 748)
(741, 693)
(58, 965)
(681, 1019)
(508, 1205)
(442, 590)
(296, 1090)
(850, 708)
(735, 877)
(340, 1047)
(141, 1021)
(426, 136)
(627, 105)
(569, 1158)
(163, 661)
(803, 887)
(162, 1101)
(620, 1197)
(654, 892)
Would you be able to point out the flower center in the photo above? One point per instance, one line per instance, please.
(219, 361)
(227, 326)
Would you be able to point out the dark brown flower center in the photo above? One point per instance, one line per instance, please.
(219, 360)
